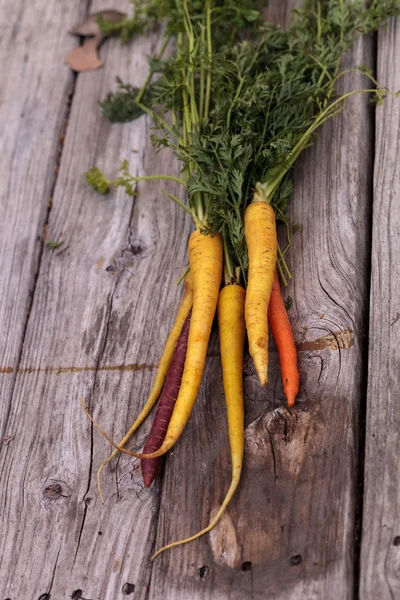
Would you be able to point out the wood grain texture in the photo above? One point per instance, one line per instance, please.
(280, 13)
(107, 300)
(34, 94)
(380, 557)
(288, 533)
(102, 309)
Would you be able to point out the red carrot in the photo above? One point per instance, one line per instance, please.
(150, 466)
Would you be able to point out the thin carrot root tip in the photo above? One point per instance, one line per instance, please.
(165, 361)
(232, 335)
(99, 427)
(147, 480)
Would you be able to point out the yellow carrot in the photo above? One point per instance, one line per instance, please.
(164, 364)
(260, 233)
(232, 332)
(205, 261)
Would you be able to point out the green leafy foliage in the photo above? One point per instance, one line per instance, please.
(121, 106)
(149, 13)
(246, 98)
(99, 182)
(51, 245)
(126, 180)
(96, 179)
(146, 14)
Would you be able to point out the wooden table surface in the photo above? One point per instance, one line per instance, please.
(317, 515)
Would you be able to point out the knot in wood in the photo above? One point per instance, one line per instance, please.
(56, 491)
(127, 258)
(128, 588)
(53, 491)
(203, 571)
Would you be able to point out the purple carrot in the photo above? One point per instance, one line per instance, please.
(150, 466)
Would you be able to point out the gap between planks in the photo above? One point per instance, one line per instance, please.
(31, 293)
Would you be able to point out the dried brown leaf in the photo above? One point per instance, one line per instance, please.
(85, 57)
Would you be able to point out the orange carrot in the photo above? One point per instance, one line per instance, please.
(284, 340)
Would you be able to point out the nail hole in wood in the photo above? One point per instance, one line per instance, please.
(296, 560)
(246, 566)
(137, 249)
(203, 571)
(76, 595)
(100, 533)
(128, 588)
(396, 541)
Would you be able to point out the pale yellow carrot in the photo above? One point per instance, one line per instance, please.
(205, 261)
(232, 332)
(260, 232)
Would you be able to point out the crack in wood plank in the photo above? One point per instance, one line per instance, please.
(87, 368)
(70, 294)
(40, 244)
(338, 340)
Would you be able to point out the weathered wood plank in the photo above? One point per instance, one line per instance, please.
(34, 95)
(380, 556)
(280, 13)
(289, 531)
(107, 300)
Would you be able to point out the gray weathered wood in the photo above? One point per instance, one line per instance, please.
(103, 306)
(34, 94)
(280, 13)
(380, 557)
(288, 533)
(107, 300)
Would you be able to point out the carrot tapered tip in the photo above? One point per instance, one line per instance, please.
(148, 480)
(262, 376)
(263, 381)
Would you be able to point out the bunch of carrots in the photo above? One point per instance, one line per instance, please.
(242, 112)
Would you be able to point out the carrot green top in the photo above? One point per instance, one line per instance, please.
(242, 111)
